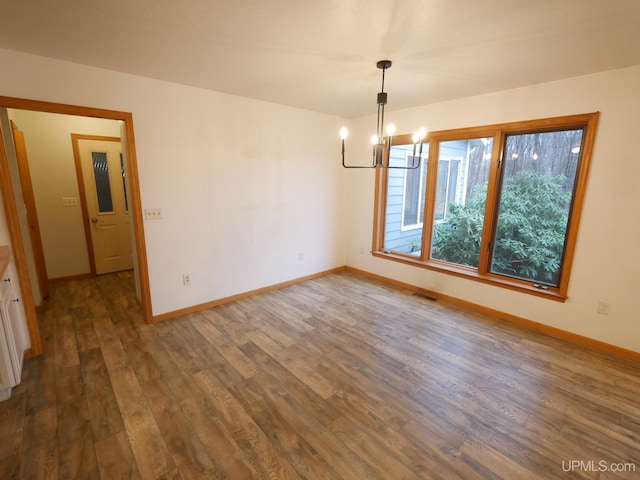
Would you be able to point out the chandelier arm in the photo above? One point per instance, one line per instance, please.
(414, 164)
(354, 166)
(358, 166)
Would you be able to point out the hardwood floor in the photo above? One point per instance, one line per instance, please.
(340, 377)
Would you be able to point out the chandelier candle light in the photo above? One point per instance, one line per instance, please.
(378, 140)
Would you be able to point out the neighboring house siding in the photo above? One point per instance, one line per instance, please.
(394, 237)
(403, 240)
(397, 239)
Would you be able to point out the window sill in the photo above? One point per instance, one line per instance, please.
(551, 293)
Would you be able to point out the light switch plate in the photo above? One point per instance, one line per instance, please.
(153, 213)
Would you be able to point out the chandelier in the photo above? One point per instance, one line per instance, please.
(379, 141)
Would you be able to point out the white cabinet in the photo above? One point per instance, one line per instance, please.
(13, 336)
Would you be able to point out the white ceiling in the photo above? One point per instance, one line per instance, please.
(321, 54)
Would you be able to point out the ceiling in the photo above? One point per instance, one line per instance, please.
(321, 54)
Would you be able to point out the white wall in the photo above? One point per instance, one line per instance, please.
(245, 186)
(607, 258)
(53, 176)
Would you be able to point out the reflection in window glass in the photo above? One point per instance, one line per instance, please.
(536, 195)
(461, 195)
(103, 184)
(414, 187)
(447, 186)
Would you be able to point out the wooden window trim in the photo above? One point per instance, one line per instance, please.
(498, 132)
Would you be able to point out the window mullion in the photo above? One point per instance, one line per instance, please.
(490, 213)
(430, 198)
(379, 210)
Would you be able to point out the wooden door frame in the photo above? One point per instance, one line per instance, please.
(75, 138)
(32, 213)
(12, 212)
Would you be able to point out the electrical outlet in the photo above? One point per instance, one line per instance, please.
(300, 256)
(604, 308)
(186, 279)
(153, 213)
(69, 201)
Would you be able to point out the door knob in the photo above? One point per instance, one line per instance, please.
(94, 220)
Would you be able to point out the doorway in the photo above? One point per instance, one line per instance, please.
(133, 199)
(102, 183)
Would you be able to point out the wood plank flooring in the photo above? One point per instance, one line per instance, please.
(340, 377)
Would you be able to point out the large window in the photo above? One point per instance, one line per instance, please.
(499, 204)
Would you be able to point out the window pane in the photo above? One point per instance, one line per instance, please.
(405, 201)
(461, 195)
(103, 185)
(539, 171)
(412, 197)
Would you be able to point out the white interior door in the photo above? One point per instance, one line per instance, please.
(107, 204)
